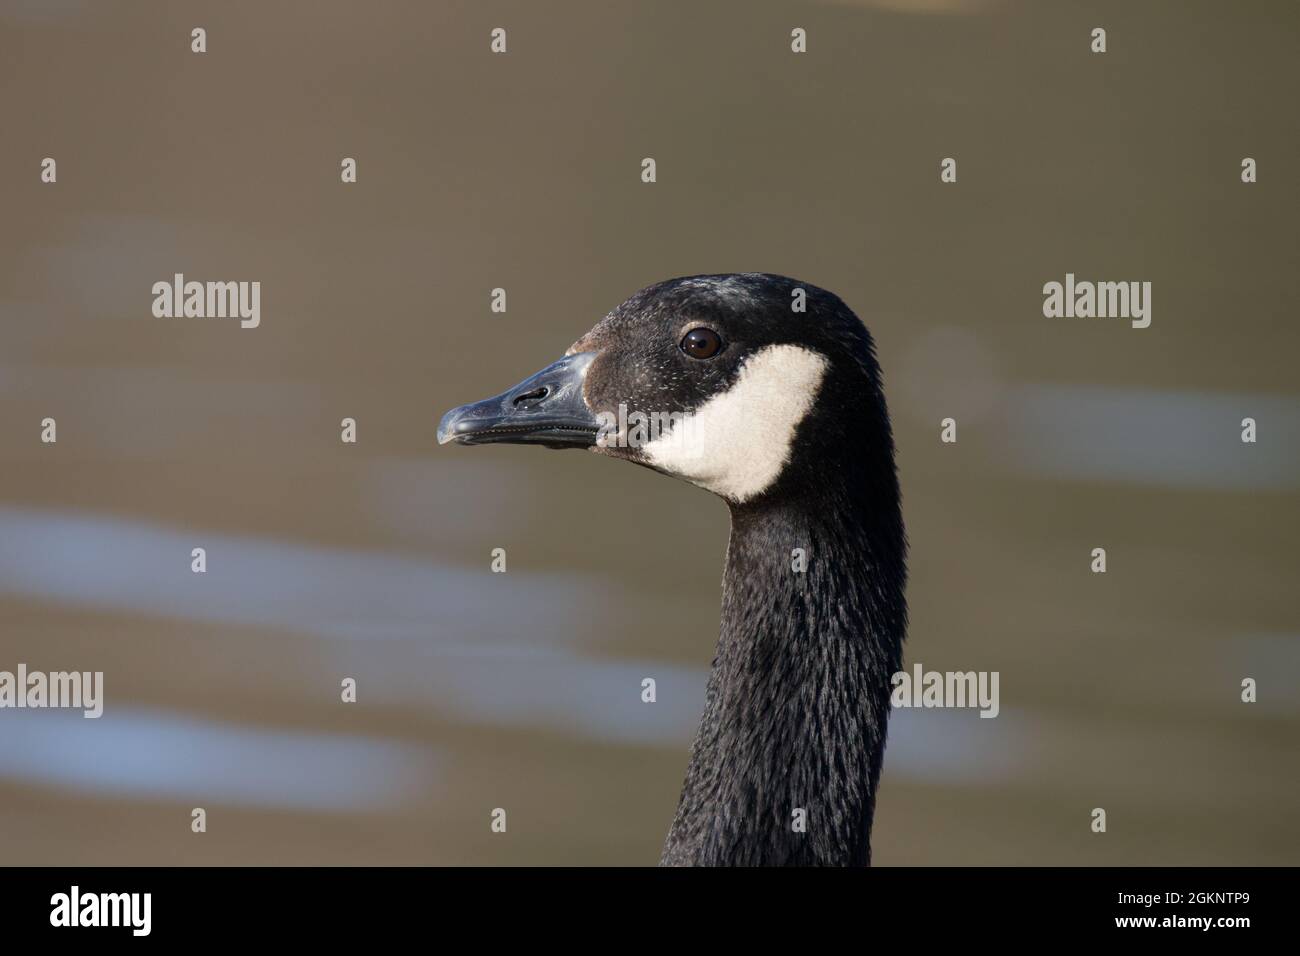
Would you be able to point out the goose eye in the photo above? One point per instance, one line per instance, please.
(701, 343)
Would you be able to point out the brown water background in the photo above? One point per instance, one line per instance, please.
(521, 690)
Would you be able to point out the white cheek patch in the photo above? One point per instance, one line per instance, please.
(737, 443)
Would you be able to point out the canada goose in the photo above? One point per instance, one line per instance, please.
(780, 412)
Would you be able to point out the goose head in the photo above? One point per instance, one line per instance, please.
(747, 385)
(766, 392)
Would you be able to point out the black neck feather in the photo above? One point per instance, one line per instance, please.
(798, 699)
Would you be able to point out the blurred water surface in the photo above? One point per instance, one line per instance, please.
(522, 690)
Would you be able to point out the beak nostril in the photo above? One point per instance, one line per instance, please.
(535, 395)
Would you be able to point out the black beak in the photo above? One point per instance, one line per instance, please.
(546, 409)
